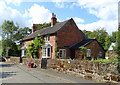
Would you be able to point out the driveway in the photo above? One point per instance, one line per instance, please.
(13, 73)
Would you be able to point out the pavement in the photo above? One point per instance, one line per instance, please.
(16, 73)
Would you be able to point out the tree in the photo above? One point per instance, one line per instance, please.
(22, 32)
(99, 34)
(113, 36)
(87, 33)
(107, 42)
(10, 34)
(9, 29)
(41, 26)
(118, 42)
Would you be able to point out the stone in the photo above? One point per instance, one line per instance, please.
(89, 71)
(88, 77)
(114, 78)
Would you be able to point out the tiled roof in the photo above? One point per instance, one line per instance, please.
(47, 30)
(81, 43)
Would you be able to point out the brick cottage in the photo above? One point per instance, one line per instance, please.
(62, 40)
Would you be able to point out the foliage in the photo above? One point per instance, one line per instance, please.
(102, 36)
(83, 50)
(118, 47)
(10, 48)
(34, 47)
(10, 34)
(118, 43)
(9, 30)
(41, 26)
(113, 36)
(30, 49)
(107, 42)
(22, 32)
(106, 60)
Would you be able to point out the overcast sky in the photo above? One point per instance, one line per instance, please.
(88, 14)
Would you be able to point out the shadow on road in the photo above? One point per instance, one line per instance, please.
(7, 74)
(6, 65)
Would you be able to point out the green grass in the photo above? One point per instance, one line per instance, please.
(106, 60)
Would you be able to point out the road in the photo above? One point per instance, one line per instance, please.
(13, 73)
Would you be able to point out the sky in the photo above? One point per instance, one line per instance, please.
(88, 14)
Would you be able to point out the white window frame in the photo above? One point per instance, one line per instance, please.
(45, 52)
(63, 53)
(88, 53)
(47, 38)
(100, 54)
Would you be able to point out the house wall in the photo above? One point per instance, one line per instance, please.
(27, 42)
(95, 48)
(68, 35)
(52, 41)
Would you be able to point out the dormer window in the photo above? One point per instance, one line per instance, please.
(47, 38)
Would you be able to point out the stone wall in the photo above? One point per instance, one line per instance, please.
(25, 61)
(97, 71)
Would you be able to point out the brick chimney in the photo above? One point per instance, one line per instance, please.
(34, 28)
(53, 20)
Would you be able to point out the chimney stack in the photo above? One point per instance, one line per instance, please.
(34, 28)
(53, 20)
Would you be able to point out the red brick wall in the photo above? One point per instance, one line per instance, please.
(27, 42)
(52, 41)
(68, 35)
(95, 48)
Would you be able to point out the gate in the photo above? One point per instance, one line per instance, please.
(44, 63)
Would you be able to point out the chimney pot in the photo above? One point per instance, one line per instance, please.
(53, 20)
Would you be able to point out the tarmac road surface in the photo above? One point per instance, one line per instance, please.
(14, 73)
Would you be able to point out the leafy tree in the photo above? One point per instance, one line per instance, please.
(113, 36)
(9, 29)
(10, 34)
(99, 34)
(87, 33)
(22, 32)
(9, 48)
(118, 48)
(118, 42)
(41, 26)
(107, 42)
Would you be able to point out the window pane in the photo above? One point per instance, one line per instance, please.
(48, 52)
(88, 52)
(45, 51)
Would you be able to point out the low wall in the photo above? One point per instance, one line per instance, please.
(100, 72)
(25, 61)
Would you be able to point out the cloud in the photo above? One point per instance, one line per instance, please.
(78, 20)
(11, 14)
(14, 2)
(110, 26)
(35, 14)
(105, 10)
(38, 14)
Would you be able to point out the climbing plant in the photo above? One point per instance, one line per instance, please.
(83, 50)
(35, 46)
